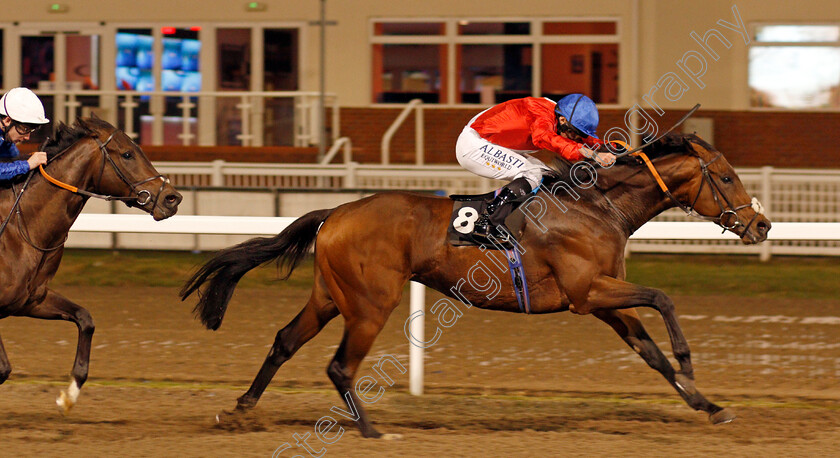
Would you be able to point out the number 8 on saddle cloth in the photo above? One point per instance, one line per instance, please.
(466, 210)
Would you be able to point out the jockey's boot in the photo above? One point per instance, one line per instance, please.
(498, 209)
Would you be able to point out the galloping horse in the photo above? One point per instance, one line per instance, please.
(89, 159)
(574, 260)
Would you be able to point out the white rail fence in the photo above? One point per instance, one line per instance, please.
(238, 225)
(788, 195)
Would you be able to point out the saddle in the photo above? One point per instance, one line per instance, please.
(466, 210)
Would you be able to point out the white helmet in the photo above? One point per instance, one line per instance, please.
(22, 105)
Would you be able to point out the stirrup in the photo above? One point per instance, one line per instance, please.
(482, 234)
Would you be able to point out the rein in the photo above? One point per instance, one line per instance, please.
(142, 198)
(17, 202)
(716, 193)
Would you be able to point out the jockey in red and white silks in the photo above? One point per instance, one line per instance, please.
(497, 143)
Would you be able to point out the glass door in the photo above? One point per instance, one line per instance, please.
(37, 72)
(60, 64)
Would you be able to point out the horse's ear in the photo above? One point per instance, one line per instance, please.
(93, 115)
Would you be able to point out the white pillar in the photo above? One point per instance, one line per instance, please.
(766, 202)
(415, 356)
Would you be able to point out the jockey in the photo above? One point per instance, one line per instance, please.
(21, 113)
(496, 144)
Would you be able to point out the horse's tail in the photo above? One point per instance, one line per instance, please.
(225, 269)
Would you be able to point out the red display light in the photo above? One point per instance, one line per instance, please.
(167, 30)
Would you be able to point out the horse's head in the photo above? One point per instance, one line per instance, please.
(705, 184)
(124, 172)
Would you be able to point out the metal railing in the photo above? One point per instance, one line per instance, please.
(200, 109)
(415, 105)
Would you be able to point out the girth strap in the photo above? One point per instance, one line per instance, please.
(520, 284)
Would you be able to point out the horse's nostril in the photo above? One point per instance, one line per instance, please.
(173, 199)
(763, 227)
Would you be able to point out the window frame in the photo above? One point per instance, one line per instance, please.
(753, 28)
(451, 39)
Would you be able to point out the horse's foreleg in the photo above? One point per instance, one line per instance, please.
(629, 327)
(56, 307)
(303, 327)
(5, 365)
(614, 306)
(608, 293)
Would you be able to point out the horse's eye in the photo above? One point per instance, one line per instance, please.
(126, 155)
(726, 179)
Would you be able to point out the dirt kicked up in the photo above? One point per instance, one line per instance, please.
(497, 384)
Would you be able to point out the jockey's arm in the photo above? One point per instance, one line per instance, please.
(9, 170)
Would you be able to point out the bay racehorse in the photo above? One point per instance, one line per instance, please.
(88, 159)
(573, 239)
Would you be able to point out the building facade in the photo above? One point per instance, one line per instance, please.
(250, 73)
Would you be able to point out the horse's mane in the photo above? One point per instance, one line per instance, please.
(67, 135)
(672, 143)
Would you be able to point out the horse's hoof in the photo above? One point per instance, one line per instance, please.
(67, 399)
(371, 434)
(64, 402)
(391, 437)
(225, 415)
(721, 416)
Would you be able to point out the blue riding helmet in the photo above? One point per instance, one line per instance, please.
(580, 111)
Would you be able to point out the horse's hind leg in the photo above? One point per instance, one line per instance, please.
(56, 307)
(5, 365)
(358, 338)
(629, 327)
(314, 316)
(365, 313)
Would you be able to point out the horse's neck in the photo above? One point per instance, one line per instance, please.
(639, 198)
(48, 210)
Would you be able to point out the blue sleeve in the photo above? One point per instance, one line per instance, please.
(10, 170)
(8, 149)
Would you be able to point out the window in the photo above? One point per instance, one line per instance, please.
(493, 28)
(180, 63)
(407, 63)
(493, 61)
(280, 73)
(585, 65)
(494, 73)
(135, 60)
(795, 66)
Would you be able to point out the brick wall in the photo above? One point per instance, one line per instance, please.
(748, 139)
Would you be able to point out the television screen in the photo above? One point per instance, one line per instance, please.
(171, 54)
(127, 78)
(171, 80)
(179, 62)
(145, 57)
(189, 55)
(126, 49)
(191, 82)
